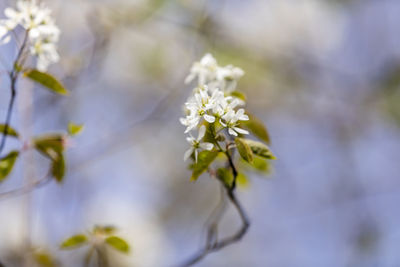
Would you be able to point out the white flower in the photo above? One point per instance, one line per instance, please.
(205, 70)
(43, 34)
(214, 76)
(230, 121)
(198, 106)
(196, 144)
(228, 76)
(225, 104)
(46, 54)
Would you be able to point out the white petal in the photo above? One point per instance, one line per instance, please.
(240, 112)
(244, 118)
(188, 153)
(241, 131)
(202, 131)
(206, 146)
(9, 12)
(209, 118)
(183, 121)
(189, 78)
(232, 132)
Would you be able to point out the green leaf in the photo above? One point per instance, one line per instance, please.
(118, 243)
(244, 149)
(74, 129)
(242, 180)
(44, 259)
(261, 165)
(50, 146)
(74, 242)
(10, 131)
(7, 164)
(225, 176)
(260, 149)
(210, 133)
(46, 80)
(239, 95)
(204, 160)
(58, 168)
(257, 127)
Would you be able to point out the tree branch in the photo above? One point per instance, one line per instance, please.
(26, 188)
(13, 79)
(212, 244)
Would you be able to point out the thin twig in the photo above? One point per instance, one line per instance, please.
(212, 246)
(14, 74)
(26, 188)
(214, 218)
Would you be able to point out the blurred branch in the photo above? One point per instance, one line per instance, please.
(26, 188)
(212, 244)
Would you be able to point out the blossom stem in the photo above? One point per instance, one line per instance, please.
(212, 244)
(14, 74)
(234, 170)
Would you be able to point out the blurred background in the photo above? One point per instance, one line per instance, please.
(323, 75)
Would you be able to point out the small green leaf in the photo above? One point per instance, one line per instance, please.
(225, 176)
(50, 145)
(10, 131)
(239, 95)
(260, 149)
(44, 259)
(257, 127)
(261, 165)
(242, 180)
(74, 242)
(7, 164)
(204, 160)
(58, 168)
(244, 149)
(46, 80)
(118, 243)
(210, 133)
(74, 129)
(17, 67)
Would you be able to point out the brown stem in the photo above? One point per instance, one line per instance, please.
(213, 245)
(13, 78)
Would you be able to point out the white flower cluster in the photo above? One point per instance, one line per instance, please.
(212, 101)
(42, 33)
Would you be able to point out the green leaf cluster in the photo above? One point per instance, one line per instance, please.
(99, 236)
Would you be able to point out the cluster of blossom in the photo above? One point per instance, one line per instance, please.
(212, 101)
(42, 33)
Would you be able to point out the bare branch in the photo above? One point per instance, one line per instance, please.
(26, 188)
(13, 79)
(213, 244)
